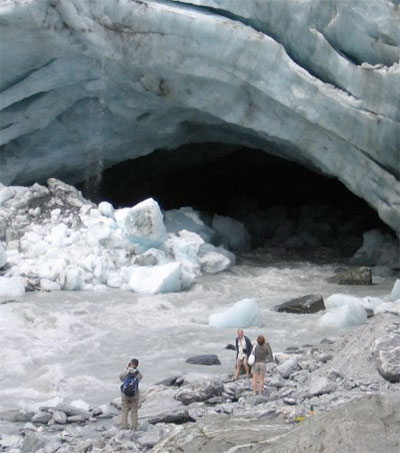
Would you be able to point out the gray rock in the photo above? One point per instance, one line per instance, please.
(9, 301)
(71, 410)
(324, 357)
(290, 401)
(275, 381)
(33, 442)
(227, 408)
(59, 417)
(386, 352)
(320, 385)
(41, 417)
(148, 440)
(370, 312)
(356, 276)
(76, 419)
(96, 412)
(327, 341)
(215, 400)
(306, 304)
(369, 424)
(161, 407)
(287, 367)
(232, 347)
(204, 359)
(333, 375)
(16, 415)
(200, 391)
(171, 381)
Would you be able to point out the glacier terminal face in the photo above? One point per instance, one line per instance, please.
(86, 85)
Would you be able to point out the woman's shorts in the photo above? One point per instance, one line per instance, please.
(240, 362)
(259, 368)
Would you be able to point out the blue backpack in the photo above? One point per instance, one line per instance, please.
(130, 386)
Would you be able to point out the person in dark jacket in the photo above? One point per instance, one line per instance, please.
(243, 350)
(130, 403)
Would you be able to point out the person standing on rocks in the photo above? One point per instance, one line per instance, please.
(130, 378)
(263, 354)
(243, 350)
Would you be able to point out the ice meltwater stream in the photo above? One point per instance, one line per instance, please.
(71, 345)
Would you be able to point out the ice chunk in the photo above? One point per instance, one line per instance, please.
(98, 232)
(395, 294)
(378, 249)
(164, 278)
(187, 218)
(215, 259)
(143, 224)
(184, 250)
(340, 300)
(345, 316)
(244, 313)
(71, 278)
(11, 287)
(6, 193)
(106, 209)
(48, 285)
(51, 265)
(233, 233)
(3, 256)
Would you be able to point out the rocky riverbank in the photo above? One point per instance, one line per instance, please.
(335, 394)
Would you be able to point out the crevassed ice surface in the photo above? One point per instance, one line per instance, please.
(72, 345)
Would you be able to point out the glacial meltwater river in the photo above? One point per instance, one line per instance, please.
(66, 346)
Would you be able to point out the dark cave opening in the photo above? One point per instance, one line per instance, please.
(274, 198)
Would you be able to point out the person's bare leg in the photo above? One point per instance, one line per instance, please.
(254, 386)
(246, 367)
(261, 383)
(238, 369)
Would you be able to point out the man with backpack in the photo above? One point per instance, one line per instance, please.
(130, 378)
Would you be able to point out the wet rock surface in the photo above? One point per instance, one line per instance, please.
(306, 304)
(204, 359)
(338, 395)
(356, 276)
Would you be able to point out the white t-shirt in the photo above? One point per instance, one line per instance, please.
(242, 346)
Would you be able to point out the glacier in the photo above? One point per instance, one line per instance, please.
(86, 85)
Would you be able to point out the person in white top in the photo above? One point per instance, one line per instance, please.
(243, 350)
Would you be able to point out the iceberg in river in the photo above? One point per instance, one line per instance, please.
(244, 313)
(344, 316)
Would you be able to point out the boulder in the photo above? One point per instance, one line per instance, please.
(204, 359)
(305, 304)
(41, 417)
(386, 352)
(356, 276)
(59, 417)
(320, 385)
(171, 381)
(159, 406)
(287, 367)
(200, 391)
